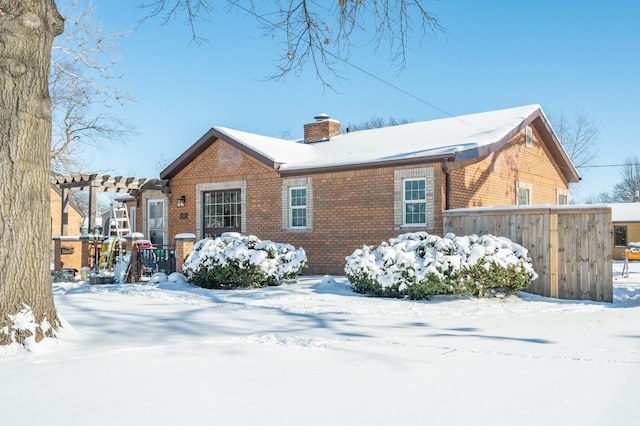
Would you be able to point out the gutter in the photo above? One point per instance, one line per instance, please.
(361, 166)
(447, 183)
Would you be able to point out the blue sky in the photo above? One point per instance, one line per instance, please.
(564, 55)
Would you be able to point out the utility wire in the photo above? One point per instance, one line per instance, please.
(611, 165)
(362, 70)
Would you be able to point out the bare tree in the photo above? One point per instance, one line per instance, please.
(161, 164)
(602, 198)
(628, 190)
(82, 76)
(27, 310)
(318, 34)
(376, 122)
(579, 135)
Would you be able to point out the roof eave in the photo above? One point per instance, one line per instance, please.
(202, 144)
(557, 151)
(361, 166)
(189, 155)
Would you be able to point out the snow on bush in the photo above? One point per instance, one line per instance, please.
(418, 265)
(235, 260)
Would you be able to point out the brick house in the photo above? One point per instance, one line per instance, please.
(74, 218)
(332, 192)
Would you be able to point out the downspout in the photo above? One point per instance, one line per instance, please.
(447, 183)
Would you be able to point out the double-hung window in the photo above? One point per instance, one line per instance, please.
(297, 204)
(523, 196)
(298, 207)
(414, 202)
(523, 193)
(413, 199)
(563, 196)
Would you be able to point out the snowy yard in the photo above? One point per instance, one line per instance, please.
(315, 353)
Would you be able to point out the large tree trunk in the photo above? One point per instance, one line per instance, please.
(27, 29)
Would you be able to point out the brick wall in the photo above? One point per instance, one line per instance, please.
(492, 181)
(352, 208)
(321, 130)
(74, 220)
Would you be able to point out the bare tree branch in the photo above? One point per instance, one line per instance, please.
(84, 87)
(194, 11)
(579, 135)
(628, 190)
(376, 122)
(316, 33)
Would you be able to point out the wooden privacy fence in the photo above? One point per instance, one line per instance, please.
(570, 246)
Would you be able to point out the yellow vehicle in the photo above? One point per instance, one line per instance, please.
(632, 252)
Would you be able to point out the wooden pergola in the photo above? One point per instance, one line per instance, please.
(98, 183)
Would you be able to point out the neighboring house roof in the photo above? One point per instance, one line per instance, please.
(456, 138)
(625, 212)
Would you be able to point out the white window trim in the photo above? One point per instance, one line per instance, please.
(405, 202)
(165, 216)
(400, 176)
(528, 137)
(133, 219)
(527, 186)
(221, 186)
(562, 192)
(287, 186)
(292, 207)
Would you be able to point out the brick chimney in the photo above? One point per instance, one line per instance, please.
(323, 129)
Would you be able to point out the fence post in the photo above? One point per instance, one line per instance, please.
(553, 254)
(132, 248)
(184, 243)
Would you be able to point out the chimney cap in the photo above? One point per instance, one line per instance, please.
(322, 116)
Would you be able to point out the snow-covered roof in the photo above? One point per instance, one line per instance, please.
(625, 212)
(456, 138)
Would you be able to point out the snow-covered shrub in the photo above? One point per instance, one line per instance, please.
(159, 277)
(234, 260)
(418, 265)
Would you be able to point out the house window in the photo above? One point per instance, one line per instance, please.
(215, 210)
(297, 204)
(298, 207)
(415, 206)
(563, 197)
(155, 221)
(413, 198)
(523, 193)
(620, 236)
(222, 212)
(528, 137)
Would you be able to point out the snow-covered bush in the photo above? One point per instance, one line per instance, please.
(234, 260)
(418, 265)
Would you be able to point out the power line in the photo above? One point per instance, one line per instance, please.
(362, 70)
(610, 165)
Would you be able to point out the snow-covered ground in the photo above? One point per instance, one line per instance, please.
(315, 353)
